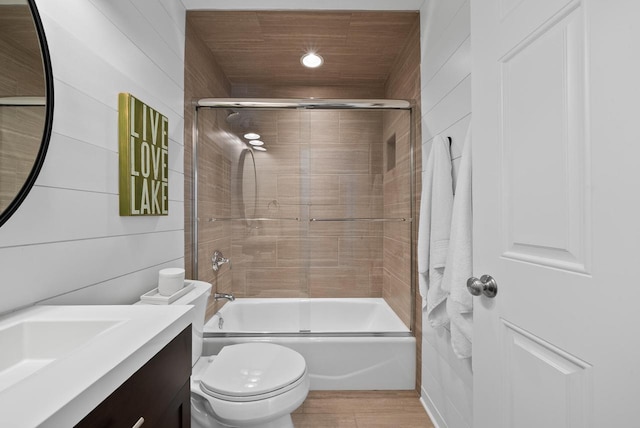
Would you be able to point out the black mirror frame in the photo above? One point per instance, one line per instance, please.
(48, 122)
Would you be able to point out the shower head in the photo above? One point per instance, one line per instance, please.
(232, 116)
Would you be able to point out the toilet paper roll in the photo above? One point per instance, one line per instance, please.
(170, 281)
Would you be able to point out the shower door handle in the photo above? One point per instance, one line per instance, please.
(485, 285)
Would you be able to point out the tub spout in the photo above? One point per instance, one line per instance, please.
(229, 297)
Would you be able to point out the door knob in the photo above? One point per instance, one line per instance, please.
(485, 285)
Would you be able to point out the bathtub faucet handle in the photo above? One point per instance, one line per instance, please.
(218, 259)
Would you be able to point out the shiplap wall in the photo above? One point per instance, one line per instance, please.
(447, 382)
(67, 243)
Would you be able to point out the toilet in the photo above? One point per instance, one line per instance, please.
(245, 385)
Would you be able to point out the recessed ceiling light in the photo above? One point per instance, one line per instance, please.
(251, 136)
(256, 143)
(260, 149)
(311, 60)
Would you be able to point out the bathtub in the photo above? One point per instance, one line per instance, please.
(349, 344)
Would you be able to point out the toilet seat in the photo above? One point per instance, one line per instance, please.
(252, 372)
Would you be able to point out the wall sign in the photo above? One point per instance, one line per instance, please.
(144, 156)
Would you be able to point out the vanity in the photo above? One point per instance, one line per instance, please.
(96, 366)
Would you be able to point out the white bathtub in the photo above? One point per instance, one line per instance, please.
(349, 344)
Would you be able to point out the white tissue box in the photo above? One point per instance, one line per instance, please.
(170, 280)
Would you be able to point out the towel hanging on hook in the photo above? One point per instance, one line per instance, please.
(451, 155)
(451, 150)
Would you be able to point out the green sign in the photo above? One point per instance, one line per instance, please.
(144, 156)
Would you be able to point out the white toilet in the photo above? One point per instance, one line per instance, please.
(245, 385)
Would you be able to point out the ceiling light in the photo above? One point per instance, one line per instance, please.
(256, 143)
(311, 60)
(251, 136)
(260, 149)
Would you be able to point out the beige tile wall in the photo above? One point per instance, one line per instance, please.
(403, 83)
(323, 165)
(397, 205)
(204, 78)
(319, 164)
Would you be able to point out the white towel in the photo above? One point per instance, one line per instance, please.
(460, 260)
(433, 230)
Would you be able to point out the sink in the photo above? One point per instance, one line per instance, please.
(57, 363)
(28, 346)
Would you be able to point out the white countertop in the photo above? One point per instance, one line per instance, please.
(61, 393)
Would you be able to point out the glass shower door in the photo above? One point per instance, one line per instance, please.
(326, 212)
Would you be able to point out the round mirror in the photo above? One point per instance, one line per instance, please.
(247, 185)
(26, 102)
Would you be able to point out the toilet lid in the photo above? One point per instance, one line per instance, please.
(251, 369)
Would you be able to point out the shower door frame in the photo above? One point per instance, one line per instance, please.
(307, 104)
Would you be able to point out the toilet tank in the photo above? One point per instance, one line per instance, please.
(197, 297)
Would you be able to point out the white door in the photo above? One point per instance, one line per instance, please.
(556, 164)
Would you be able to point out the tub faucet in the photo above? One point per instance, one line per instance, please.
(217, 260)
(228, 296)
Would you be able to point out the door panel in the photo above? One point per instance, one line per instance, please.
(518, 19)
(544, 386)
(556, 84)
(555, 90)
(532, 220)
(544, 146)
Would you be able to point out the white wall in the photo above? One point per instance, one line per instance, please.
(447, 382)
(67, 242)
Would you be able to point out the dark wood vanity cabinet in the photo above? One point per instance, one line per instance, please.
(159, 392)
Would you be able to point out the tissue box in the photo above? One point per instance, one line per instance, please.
(170, 281)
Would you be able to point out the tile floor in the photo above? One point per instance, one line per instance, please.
(361, 409)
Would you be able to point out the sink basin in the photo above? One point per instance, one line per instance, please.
(29, 346)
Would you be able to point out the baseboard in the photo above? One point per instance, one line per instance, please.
(436, 418)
